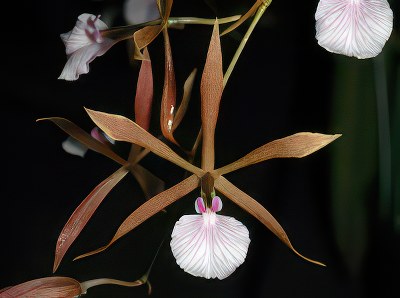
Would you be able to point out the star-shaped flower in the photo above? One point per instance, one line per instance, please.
(211, 87)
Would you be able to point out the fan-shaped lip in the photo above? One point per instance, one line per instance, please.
(355, 28)
(209, 245)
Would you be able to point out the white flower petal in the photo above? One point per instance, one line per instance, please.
(74, 147)
(209, 245)
(358, 28)
(83, 44)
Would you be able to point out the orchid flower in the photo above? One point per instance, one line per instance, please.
(82, 44)
(91, 38)
(355, 28)
(205, 261)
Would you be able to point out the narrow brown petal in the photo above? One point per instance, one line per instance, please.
(85, 138)
(150, 184)
(211, 87)
(187, 91)
(123, 129)
(165, 9)
(83, 213)
(168, 100)
(50, 287)
(294, 146)
(243, 18)
(144, 93)
(149, 208)
(246, 202)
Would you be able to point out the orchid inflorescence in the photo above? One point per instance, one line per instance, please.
(206, 244)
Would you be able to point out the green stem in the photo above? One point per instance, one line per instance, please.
(200, 21)
(125, 32)
(246, 37)
(109, 281)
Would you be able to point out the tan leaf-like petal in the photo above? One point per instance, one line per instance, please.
(211, 87)
(143, 37)
(85, 138)
(243, 18)
(294, 146)
(150, 184)
(149, 208)
(187, 91)
(168, 100)
(55, 286)
(83, 213)
(123, 129)
(246, 202)
(144, 93)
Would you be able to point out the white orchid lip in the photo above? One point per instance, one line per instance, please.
(209, 245)
(355, 28)
(83, 44)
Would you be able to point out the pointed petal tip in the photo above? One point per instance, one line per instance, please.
(93, 252)
(335, 136)
(308, 259)
(42, 119)
(55, 265)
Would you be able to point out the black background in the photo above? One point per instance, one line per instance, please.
(281, 85)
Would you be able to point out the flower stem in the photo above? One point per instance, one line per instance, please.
(246, 37)
(201, 21)
(107, 281)
(125, 32)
